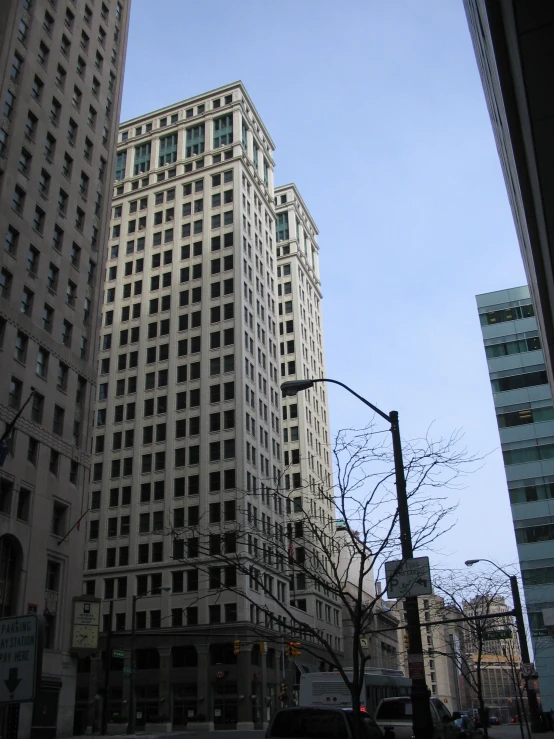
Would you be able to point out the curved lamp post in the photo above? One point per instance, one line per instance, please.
(536, 724)
(131, 724)
(422, 722)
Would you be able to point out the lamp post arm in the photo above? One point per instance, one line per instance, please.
(498, 567)
(355, 394)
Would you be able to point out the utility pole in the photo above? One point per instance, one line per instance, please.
(423, 724)
(422, 721)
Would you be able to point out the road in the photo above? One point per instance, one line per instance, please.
(512, 731)
(508, 731)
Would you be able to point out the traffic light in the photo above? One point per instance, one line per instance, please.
(406, 640)
(296, 649)
(288, 649)
(283, 687)
(236, 644)
(283, 693)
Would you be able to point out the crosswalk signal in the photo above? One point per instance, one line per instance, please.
(296, 649)
(406, 640)
(236, 644)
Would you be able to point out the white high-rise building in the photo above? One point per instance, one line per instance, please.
(187, 442)
(308, 475)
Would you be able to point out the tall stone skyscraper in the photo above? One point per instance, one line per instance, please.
(61, 77)
(188, 459)
(306, 431)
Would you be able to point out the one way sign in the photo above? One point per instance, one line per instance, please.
(19, 637)
(412, 577)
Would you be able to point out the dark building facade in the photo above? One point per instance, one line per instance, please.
(61, 77)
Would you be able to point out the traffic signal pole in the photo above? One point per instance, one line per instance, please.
(536, 724)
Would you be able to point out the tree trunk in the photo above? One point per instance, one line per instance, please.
(356, 714)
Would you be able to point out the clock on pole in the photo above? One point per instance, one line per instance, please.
(86, 625)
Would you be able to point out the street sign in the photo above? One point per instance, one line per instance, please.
(18, 658)
(409, 578)
(118, 653)
(529, 671)
(364, 642)
(416, 667)
(497, 635)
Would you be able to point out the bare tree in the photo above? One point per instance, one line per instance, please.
(336, 537)
(481, 602)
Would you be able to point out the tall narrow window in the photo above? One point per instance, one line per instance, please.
(223, 131)
(195, 140)
(142, 158)
(168, 150)
(120, 164)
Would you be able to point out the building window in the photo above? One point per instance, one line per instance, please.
(195, 140)
(223, 131)
(282, 229)
(121, 164)
(142, 158)
(168, 150)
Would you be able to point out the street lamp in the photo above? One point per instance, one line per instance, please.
(522, 638)
(422, 722)
(131, 724)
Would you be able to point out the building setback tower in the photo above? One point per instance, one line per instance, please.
(525, 416)
(61, 72)
(308, 475)
(187, 444)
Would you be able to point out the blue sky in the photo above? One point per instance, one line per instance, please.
(378, 116)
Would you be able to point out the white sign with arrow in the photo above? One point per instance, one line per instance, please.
(409, 578)
(18, 658)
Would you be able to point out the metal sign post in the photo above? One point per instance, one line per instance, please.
(408, 578)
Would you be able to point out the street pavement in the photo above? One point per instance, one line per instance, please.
(188, 735)
(507, 731)
(513, 731)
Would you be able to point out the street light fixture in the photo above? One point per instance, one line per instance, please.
(422, 722)
(131, 724)
(522, 638)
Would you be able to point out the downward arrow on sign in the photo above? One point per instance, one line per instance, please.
(13, 681)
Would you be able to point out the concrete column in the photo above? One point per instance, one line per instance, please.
(93, 704)
(264, 707)
(208, 135)
(164, 677)
(126, 682)
(204, 703)
(245, 720)
(154, 153)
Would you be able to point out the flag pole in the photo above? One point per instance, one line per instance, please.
(75, 525)
(4, 439)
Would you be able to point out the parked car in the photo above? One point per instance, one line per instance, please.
(396, 714)
(494, 720)
(465, 725)
(307, 722)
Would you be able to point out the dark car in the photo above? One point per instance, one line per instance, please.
(306, 722)
(494, 720)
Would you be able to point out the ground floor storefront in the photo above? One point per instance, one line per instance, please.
(181, 678)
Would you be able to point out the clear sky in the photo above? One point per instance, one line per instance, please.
(378, 116)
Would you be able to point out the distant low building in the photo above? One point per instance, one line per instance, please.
(438, 642)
